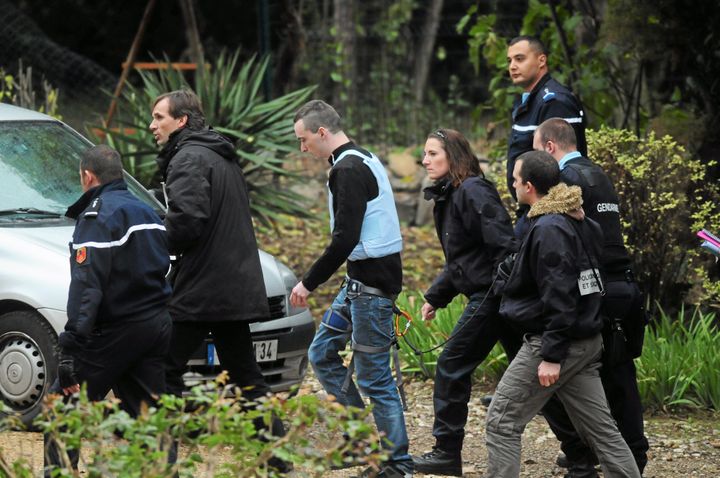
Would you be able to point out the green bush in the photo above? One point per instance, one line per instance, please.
(233, 103)
(217, 435)
(679, 364)
(665, 198)
(19, 90)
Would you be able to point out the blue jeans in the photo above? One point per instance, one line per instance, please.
(372, 321)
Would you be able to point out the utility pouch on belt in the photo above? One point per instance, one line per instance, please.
(335, 320)
(615, 343)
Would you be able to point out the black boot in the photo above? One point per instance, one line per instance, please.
(581, 470)
(439, 462)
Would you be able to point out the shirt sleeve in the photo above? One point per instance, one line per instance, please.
(555, 272)
(442, 290)
(90, 264)
(485, 218)
(189, 202)
(351, 186)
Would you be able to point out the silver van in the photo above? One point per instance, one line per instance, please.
(39, 160)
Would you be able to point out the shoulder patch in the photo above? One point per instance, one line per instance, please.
(548, 95)
(81, 255)
(94, 208)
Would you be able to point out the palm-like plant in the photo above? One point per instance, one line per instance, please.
(231, 96)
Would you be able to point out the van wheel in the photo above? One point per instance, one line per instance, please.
(27, 362)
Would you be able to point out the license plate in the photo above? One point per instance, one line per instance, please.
(265, 350)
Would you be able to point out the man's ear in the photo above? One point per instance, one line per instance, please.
(322, 131)
(542, 59)
(182, 121)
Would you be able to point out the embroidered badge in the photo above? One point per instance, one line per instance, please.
(81, 255)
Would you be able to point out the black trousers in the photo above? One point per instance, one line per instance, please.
(624, 300)
(233, 343)
(458, 361)
(234, 348)
(128, 358)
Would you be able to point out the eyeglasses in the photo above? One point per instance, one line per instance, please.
(441, 134)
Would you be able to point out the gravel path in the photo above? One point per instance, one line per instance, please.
(681, 446)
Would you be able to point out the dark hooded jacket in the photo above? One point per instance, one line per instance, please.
(550, 290)
(475, 233)
(218, 276)
(601, 204)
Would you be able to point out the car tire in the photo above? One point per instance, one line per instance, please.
(28, 364)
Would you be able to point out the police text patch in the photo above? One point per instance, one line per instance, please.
(587, 282)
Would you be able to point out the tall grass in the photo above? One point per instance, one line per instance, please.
(426, 335)
(679, 366)
(680, 363)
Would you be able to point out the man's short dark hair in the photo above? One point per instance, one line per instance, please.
(558, 131)
(535, 43)
(317, 113)
(184, 102)
(103, 161)
(541, 169)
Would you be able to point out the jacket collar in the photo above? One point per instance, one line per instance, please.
(74, 211)
(440, 190)
(339, 150)
(561, 199)
(540, 84)
(170, 148)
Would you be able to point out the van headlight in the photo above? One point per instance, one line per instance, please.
(289, 280)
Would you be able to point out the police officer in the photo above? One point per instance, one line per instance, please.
(366, 234)
(475, 233)
(543, 98)
(118, 328)
(622, 304)
(553, 295)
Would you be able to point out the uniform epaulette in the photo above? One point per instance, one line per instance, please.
(94, 208)
(549, 95)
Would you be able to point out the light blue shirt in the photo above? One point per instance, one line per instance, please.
(568, 157)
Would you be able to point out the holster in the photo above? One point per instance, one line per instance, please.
(615, 343)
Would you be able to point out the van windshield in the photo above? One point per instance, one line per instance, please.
(39, 162)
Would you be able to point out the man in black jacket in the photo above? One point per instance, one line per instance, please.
(622, 304)
(217, 284)
(553, 296)
(543, 98)
(118, 328)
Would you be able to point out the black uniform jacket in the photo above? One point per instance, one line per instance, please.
(118, 261)
(543, 293)
(601, 204)
(548, 99)
(353, 185)
(218, 275)
(476, 234)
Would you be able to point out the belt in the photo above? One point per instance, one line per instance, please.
(626, 275)
(357, 287)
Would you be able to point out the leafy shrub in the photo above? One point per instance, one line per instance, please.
(212, 426)
(679, 364)
(19, 90)
(233, 103)
(665, 198)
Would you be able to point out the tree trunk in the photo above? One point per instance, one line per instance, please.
(344, 13)
(193, 38)
(424, 56)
